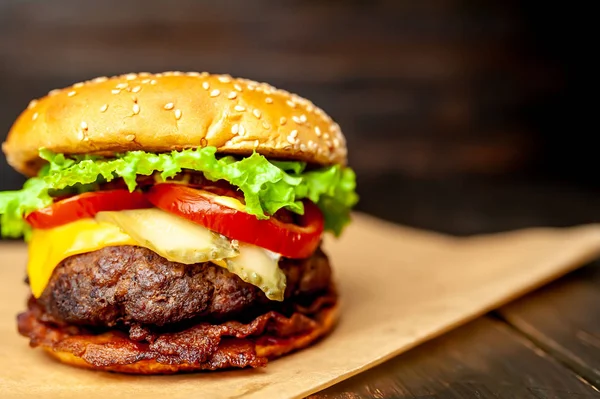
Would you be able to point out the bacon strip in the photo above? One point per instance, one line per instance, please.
(201, 347)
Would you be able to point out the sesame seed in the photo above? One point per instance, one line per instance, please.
(53, 92)
(204, 74)
(136, 109)
(237, 87)
(291, 103)
(115, 91)
(32, 104)
(235, 129)
(336, 142)
(311, 144)
(239, 108)
(158, 75)
(104, 108)
(71, 93)
(215, 93)
(303, 118)
(232, 95)
(297, 120)
(78, 85)
(136, 89)
(131, 76)
(83, 125)
(176, 73)
(193, 74)
(80, 135)
(169, 106)
(100, 79)
(144, 74)
(34, 116)
(291, 139)
(145, 81)
(300, 100)
(282, 120)
(302, 147)
(317, 131)
(224, 79)
(122, 85)
(251, 87)
(310, 108)
(255, 143)
(294, 133)
(269, 100)
(153, 82)
(257, 113)
(326, 136)
(205, 85)
(177, 114)
(242, 130)
(130, 137)
(266, 125)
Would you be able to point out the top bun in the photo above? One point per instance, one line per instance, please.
(173, 111)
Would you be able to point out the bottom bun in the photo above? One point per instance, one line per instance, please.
(200, 347)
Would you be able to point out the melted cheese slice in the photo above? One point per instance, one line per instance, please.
(174, 238)
(47, 248)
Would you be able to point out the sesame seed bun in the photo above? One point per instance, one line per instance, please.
(173, 111)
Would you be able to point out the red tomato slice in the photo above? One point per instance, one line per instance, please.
(287, 239)
(86, 205)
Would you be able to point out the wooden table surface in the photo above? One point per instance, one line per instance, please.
(544, 345)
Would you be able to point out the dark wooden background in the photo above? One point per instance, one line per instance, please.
(462, 116)
(473, 102)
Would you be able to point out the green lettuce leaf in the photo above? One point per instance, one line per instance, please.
(14, 205)
(267, 185)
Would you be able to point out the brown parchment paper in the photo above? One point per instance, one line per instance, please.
(399, 287)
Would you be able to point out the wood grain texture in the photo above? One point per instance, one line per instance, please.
(435, 87)
(484, 359)
(564, 320)
(430, 88)
(476, 206)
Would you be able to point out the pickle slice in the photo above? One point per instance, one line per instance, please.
(171, 236)
(259, 267)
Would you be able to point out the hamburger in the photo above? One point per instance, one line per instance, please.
(174, 221)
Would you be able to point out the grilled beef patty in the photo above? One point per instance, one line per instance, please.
(129, 285)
